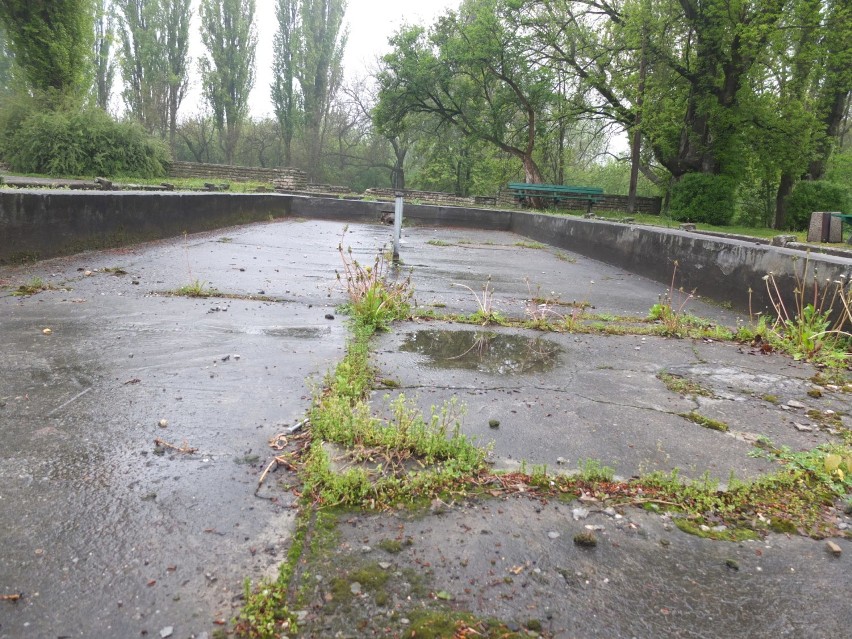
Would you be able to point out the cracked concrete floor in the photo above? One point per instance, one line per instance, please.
(107, 539)
(562, 398)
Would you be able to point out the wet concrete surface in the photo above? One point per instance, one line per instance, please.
(106, 538)
(601, 397)
(563, 398)
(514, 559)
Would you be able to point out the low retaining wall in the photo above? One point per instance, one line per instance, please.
(433, 197)
(292, 178)
(42, 223)
(648, 205)
(39, 224)
(717, 268)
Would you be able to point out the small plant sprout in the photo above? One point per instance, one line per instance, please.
(669, 310)
(486, 313)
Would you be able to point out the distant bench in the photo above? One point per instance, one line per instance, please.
(556, 193)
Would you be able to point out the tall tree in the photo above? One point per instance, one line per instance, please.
(175, 40)
(104, 61)
(284, 95)
(155, 60)
(51, 42)
(474, 73)
(228, 32)
(699, 57)
(319, 68)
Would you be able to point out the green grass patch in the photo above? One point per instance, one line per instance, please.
(682, 386)
(705, 422)
(32, 287)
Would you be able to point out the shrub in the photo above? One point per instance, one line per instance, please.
(808, 197)
(83, 141)
(703, 197)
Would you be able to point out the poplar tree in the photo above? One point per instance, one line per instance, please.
(104, 61)
(309, 47)
(228, 32)
(51, 42)
(155, 60)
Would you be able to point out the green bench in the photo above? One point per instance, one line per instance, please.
(556, 193)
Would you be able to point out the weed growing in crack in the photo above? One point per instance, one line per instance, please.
(829, 464)
(540, 309)
(486, 313)
(706, 422)
(265, 614)
(669, 310)
(196, 288)
(373, 299)
(807, 331)
(682, 386)
(31, 287)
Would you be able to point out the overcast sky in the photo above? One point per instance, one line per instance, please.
(371, 23)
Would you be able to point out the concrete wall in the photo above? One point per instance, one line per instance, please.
(40, 224)
(718, 268)
(43, 223)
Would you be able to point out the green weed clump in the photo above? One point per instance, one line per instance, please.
(373, 299)
(196, 288)
(31, 287)
(265, 614)
(812, 329)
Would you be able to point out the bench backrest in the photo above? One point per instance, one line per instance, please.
(556, 188)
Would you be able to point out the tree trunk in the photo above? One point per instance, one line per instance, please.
(833, 119)
(636, 143)
(785, 187)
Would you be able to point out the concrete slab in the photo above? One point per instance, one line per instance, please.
(600, 397)
(514, 559)
(104, 537)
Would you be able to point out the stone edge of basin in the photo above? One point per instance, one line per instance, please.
(37, 224)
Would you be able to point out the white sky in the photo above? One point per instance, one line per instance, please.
(371, 23)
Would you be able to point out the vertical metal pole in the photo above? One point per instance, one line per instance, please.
(397, 225)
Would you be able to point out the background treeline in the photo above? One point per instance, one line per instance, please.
(736, 110)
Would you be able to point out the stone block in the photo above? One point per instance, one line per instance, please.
(824, 228)
(782, 240)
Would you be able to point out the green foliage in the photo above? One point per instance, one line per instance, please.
(703, 197)
(808, 330)
(808, 197)
(591, 470)
(471, 73)
(81, 142)
(51, 43)
(265, 614)
(229, 34)
(829, 465)
(154, 37)
(374, 300)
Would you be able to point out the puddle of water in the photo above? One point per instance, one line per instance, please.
(483, 351)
